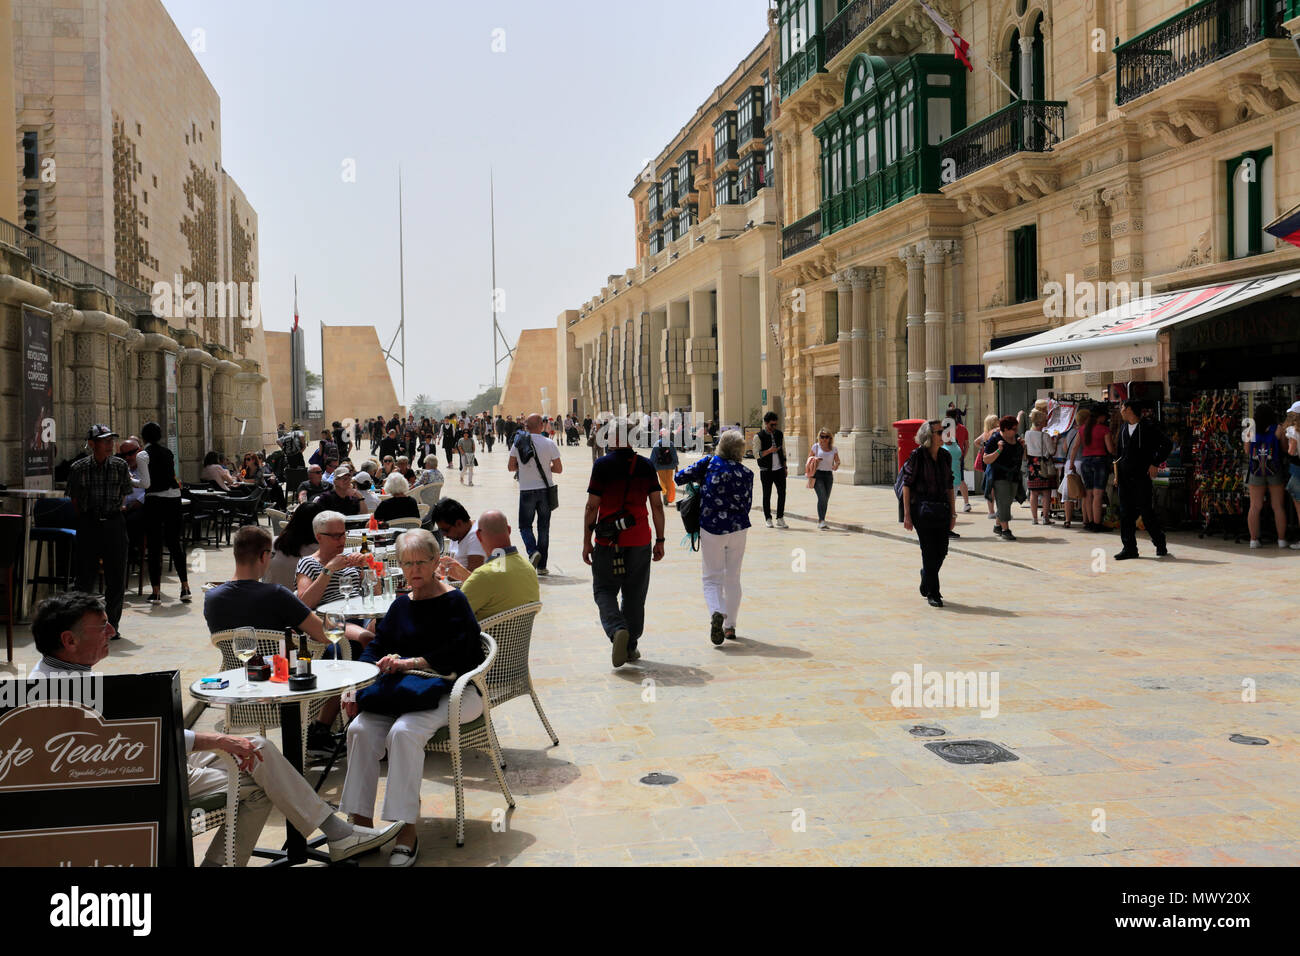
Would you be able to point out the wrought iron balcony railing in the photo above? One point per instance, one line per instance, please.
(50, 259)
(804, 234)
(1022, 126)
(851, 21)
(1187, 41)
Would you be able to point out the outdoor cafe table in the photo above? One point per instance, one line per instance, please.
(359, 607)
(329, 683)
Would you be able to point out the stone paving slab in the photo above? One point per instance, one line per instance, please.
(1117, 692)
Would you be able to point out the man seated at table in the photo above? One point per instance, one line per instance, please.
(365, 485)
(463, 548)
(330, 467)
(507, 579)
(314, 486)
(342, 497)
(248, 601)
(325, 575)
(72, 633)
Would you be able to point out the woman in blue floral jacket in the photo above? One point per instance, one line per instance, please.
(726, 494)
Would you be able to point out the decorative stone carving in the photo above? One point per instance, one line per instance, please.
(1122, 196)
(1245, 89)
(1276, 77)
(1158, 125)
(999, 298)
(1201, 118)
(1200, 254)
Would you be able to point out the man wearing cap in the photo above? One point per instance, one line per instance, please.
(97, 485)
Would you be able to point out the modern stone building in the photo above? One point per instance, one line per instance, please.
(531, 379)
(688, 327)
(118, 181)
(930, 218)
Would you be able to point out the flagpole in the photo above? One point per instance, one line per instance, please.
(401, 279)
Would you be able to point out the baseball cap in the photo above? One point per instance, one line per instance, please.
(100, 431)
(1294, 409)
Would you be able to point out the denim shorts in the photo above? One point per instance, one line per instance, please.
(1293, 487)
(1095, 471)
(1258, 481)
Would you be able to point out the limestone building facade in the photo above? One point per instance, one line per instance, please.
(689, 326)
(929, 215)
(119, 173)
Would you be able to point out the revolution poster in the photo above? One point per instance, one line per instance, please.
(38, 399)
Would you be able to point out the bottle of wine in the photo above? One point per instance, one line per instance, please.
(290, 645)
(365, 543)
(304, 659)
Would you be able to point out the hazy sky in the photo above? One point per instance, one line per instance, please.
(584, 93)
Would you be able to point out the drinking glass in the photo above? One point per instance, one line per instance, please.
(348, 589)
(334, 630)
(369, 579)
(245, 646)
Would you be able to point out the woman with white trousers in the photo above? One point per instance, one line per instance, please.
(726, 495)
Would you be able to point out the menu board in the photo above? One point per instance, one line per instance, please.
(93, 772)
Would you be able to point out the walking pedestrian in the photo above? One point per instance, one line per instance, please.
(985, 472)
(958, 478)
(535, 459)
(621, 502)
(1041, 449)
(98, 485)
(930, 505)
(1004, 451)
(726, 495)
(162, 513)
(664, 457)
(466, 447)
(1266, 476)
(1142, 447)
(769, 451)
(827, 461)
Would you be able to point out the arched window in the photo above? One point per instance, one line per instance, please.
(1038, 85)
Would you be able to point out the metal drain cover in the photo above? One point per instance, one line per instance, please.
(919, 731)
(658, 779)
(1252, 741)
(971, 751)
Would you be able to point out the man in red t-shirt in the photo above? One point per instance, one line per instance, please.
(624, 489)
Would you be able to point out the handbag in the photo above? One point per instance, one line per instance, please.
(931, 514)
(396, 694)
(552, 492)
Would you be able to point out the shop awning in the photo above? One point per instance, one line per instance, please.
(1126, 337)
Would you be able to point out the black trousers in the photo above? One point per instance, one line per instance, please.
(449, 449)
(162, 521)
(1134, 502)
(772, 479)
(934, 548)
(634, 583)
(103, 541)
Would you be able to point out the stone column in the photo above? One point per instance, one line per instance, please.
(912, 258)
(1124, 200)
(861, 279)
(956, 306)
(880, 321)
(149, 369)
(247, 400)
(1027, 83)
(935, 327)
(194, 371)
(844, 315)
(702, 353)
(226, 429)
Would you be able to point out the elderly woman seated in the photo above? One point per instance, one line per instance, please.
(399, 504)
(431, 629)
(429, 475)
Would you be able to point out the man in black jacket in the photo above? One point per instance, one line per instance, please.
(1141, 448)
(770, 453)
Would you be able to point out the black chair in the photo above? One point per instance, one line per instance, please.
(11, 546)
(52, 523)
(293, 477)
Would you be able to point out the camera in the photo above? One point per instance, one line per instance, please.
(615, 524)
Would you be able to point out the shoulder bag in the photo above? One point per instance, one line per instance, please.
(552, 492)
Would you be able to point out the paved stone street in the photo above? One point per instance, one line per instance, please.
(1117, 690)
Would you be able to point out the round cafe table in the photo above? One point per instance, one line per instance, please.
(329, 683)
(359, 606)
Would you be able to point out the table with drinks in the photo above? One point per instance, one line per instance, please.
(290, 682)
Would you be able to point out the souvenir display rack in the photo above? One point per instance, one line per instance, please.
(1219, 497)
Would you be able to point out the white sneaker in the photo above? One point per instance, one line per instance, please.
(1281, 543)
(966, 510)
(769, 522)
(362, 840)
(1296, 546)
(780, 523)
(1254, 544)
(823, 526)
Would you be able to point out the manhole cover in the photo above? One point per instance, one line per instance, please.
(658, 779)
(919, 731)
(971, 751)
(1252, 741)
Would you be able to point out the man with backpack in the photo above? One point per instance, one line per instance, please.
(535, 459)
(664, 457)
(293, 442)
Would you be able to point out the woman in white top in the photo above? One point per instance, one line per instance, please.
(1040, 448)
(212, 471)
(828, 461)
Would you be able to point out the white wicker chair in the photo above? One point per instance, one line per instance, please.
(404, 523)
(424, 510)
(277, 519)
(476, 735)
(428, 494)
(510, 677)
(261, 716)
(208, 813)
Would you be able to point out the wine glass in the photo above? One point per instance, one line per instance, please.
(347, 588)
(334, 630)
(245, 646)
(369, 580)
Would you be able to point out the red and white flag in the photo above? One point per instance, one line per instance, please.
(960, 48)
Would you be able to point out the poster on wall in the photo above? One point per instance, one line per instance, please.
(173, 412)
(38, 400)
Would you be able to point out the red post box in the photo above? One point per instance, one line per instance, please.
(907, 437)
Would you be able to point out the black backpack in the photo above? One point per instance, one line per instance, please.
(663, 456)
(688, 507)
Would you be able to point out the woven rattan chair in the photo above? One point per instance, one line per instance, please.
(277, 519)
(261, 716)
(510, 677)
(476, 735)
(428, 494)
(404, 522)
(208, 813)
(424, 511)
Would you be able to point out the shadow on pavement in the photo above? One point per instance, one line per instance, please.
(748, 647)
(670, 675)
(978, 609)
(527, 771)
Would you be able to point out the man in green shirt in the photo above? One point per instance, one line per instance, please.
(507, 579)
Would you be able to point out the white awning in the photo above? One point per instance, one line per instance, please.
(1126, 337)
